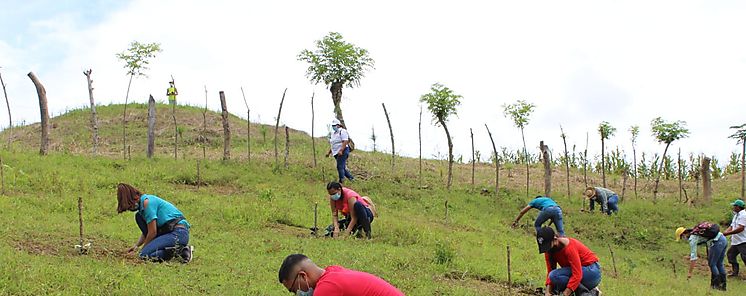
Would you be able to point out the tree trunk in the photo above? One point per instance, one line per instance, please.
(525, 159)
(204, 127)
(94, 120)
(567, 161)
(42, 93)
(336, 89)
(248, 126)
(287, 145)
(681, 186)
(497, 164)
(634, 164)
(124, 119)
(585, 165)
(151, 126)
(658, 174)
(706, 179)
(625, 176)
(176, 132)
(391, 133)
(277, 126)
(10, 119)
(473, 156)
(226, 128)
(547, 169)
(313, 139)
(603, 162)
(419, 139)
(743, 168)
(450, 154)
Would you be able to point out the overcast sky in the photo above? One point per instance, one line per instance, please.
(580, 62)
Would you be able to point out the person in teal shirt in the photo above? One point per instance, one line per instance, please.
(164, 230)
(548, 210)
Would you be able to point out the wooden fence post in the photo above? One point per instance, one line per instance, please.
(248, 127)
(391, 133)
(613, 260)
(204, 127)
(547, 169)
(510, 280)
(151, 126)
(497, 163)
(94, 119)
(226, 128)
(567, 161)
(419, 137)
(473, 157)
(42, 93)
(287, 145)
(277, 126)
(313, 138)
(706, 179)
(10, 118)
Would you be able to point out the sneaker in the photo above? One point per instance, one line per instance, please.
(732, 274)
(596, 291)
(187, 254)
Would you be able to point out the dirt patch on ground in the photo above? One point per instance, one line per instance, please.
(488, 285)
(283, 227)
(46, 245)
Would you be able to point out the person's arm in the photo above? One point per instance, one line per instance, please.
(604, 201)
(137, 244)
(520, 215)
(335, 218)
(550, 266)
(353, 216)
(692, 256)
(152, 232)
(344, 145)
(176, 92)
(738, 229)
(345, 137)
(576, 268)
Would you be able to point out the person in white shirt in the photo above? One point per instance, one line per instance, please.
(340, 148)
(738, 237)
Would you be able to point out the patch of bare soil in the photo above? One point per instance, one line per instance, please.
(284, 227)
(46, 245)
(488, 285)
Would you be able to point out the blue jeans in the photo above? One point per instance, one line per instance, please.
(342, 165)
(162, 247)
(560, 277)
(555, 214)
(612, 204)
(716, 256)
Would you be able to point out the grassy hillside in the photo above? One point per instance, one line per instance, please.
(247, 217)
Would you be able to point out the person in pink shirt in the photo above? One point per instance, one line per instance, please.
(304, 278)
(358, 210)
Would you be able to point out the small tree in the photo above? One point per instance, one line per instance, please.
(519, 112)
(442, 103)
(635, 131)
(338, 64)
(666, 132)
(605, 130)
(136, 59)
(740, 135)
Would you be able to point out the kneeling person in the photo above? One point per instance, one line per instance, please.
(579, 270)
(301, 276)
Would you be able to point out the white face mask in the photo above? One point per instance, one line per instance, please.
(299, 292)
(335, 128)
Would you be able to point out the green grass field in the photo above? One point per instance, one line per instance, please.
(246, 217)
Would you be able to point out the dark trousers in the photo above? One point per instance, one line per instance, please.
(342, 165)
(733, 253)
(364, 218)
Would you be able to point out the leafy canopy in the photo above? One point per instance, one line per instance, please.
(441, 102)
(519, 112)
(635, 130)
(667, 132)
(606, 130)
(740, 133)
(136, 57)
(335, 60)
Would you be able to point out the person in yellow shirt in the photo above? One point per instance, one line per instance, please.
(172, 93)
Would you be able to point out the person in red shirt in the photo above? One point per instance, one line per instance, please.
(579, 270)
(304, 278)
(358, 210)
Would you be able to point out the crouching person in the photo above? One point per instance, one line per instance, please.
(579, 271)
(164, 230)
(709, 234)
(359, 211)
(302, 277)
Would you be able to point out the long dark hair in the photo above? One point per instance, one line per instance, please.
(333, 185)
(126, 197)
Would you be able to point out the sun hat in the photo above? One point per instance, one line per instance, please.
(738, 202)
(679, 231)
(589, 192)
(544, 238)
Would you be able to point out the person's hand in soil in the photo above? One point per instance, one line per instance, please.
(131, 250)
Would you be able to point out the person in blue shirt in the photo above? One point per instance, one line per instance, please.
(548, 210)
(164, 230)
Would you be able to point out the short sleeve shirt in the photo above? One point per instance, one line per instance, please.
(338, 281)
(540, 203)
(337, 138)
(159, 210)
(738, 219)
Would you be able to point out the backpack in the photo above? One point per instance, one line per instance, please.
(706, 229)
(350, 144)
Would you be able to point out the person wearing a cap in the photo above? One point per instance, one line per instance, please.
(606, 198)
(579, 271)
(171, 92)
(548, 210)
(738, 237)
(340, 141)
(300, 276)
(715, 254)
